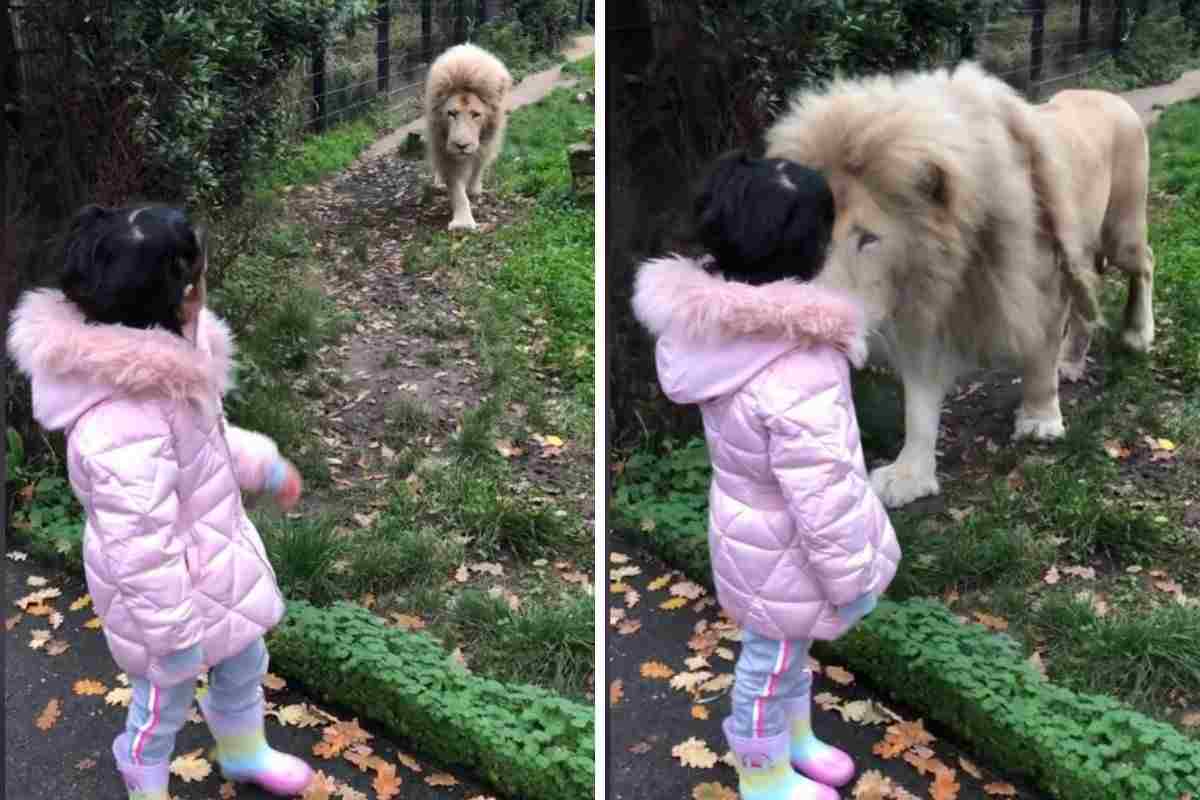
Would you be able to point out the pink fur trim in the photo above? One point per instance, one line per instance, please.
(675, 293)
(49, 334)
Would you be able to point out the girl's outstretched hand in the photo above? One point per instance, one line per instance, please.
(283, 481)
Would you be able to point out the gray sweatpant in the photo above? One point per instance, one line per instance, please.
(768, 674)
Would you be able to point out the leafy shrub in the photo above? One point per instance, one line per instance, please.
(525, 741)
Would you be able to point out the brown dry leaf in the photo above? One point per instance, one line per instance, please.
(273, 682)
(687, 589)
(641, 748)
(696, 662)
(826, 701)
(191, 766)
(87, 763)
(360, 756)
(1191, 720)
(839, 675)
(673, 604)
(228, 791)
(912, 733)
(923, 763)
(619, 588)
(408, 622)
(699, 712)
(348, 792)
(713, 791)
(36, 581)
(56, 647)
(970, 768)
(621, 573)
(94, 624)
(1086, 573)
(462, 574)
(1000, 789)
(632, 598)
(618, 558)
(991, 622)
(488, 568)
(81, 603)
(725, 653)
(39, 610)
(1115, 449)
(326, 749)
(322, 787)
(13, 621)
(658, 583)
(408, 761)
(1052, 576)
(694, 753)
(944, 786)
(441, 779)
(89, 687)
(506, 448)
(863, 712)
(38, 639)
(688, 681)
(616, 690)
(615, 615)
(50, 714)
(629, 626)
(656, 669)
(387, 782)
(889, 747)
(872, 786)
(297, 715)
(119, 697)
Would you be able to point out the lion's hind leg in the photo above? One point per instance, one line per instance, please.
(1137, 261)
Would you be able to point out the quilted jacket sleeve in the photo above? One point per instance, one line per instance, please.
(132, 478)
(813, 449)
(253, 455)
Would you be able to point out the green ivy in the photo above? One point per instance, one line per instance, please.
(979, 686)
(523, 740)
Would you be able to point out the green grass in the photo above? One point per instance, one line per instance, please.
(584, 67)
(1159, 51)
(318, 155)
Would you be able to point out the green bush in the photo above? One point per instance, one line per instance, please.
(525, 741)
(979, 686)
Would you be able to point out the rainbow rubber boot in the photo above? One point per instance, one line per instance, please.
(245, 757)
(822, 762)
(142, 781)
(764, 772)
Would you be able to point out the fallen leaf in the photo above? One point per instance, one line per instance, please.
(656, 669)
(89, 687)
(36, 581)
(615, 615)
(387, 782)
(1115, 449)
(50, 714)
(1000, 789)
(408, 622)
(321, 787)
(687, 589)
(839, 675)
(191, 767)
(56, 647)
(1191, 720)
(694, 753)
(616, 690)
(38, 639)
(713, 791)
(923, 763)
(688, 681)
(990, 621)
(1087, 573)
(862, 712)
(718, 684)
(699, 712)
(970, 768)
(81, 603)
(441, 779)
(13, 621)
(658, 583)
(1052, 577)
(872, 785)
(944, 786)
(17, 555)
(629, 626)
(87, 763)
(632, 598)
(228, 792)
(825, 701)
(640, 748)
(725, 653)
(462, 575)
(273, 682)
(618, 558)
(506, 448)
(119, 697)
(673, 604)
(94, 624)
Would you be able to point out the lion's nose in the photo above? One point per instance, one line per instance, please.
(463, 146)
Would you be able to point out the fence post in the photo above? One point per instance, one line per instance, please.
(318, 82)
(460, 21)
(1037, 36)
(1085, 21)
(383, 54)
(482, 12)
(427, 31)
(1118, 24)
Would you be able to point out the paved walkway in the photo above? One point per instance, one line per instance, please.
(72, 758)
(528, 91)
(1150, 101)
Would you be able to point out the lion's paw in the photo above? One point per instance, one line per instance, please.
(1042, 428)
(898, 485)
(1137, 340)
(462, 225)
(1072, 372)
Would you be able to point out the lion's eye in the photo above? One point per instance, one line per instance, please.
(866, 238)
(476, 114)
(452, 114)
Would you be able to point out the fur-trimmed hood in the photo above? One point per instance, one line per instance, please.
(74, 364)
(715, 335)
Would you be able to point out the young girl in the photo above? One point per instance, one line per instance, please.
(800, 545)
(127, 361)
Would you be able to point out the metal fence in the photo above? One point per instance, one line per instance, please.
(384, 66)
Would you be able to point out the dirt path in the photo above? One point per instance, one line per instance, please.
(530, 90)
(72, 758)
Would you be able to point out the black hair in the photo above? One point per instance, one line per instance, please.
(131, 266)
(764, 219)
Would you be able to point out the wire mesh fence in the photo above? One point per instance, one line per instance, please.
(384, 65)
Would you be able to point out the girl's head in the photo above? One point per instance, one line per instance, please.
(134, 266)
(764, 220)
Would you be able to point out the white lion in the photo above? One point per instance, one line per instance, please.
(466, 111)
(971, 224)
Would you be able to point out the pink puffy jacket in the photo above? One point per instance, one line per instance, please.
(171, 559)
(794, 528)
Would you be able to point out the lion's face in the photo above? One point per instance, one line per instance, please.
(465, 117)
(868, 250)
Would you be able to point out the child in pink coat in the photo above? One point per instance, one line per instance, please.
(800, 545)
(127, 361)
